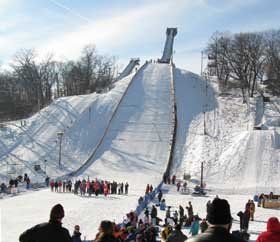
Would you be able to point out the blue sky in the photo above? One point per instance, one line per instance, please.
(127, 28)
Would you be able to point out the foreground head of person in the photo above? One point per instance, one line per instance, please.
(176, 234)
(219, 220)
(272, 233)
(76, 237)
(50, 231)
(105, 233)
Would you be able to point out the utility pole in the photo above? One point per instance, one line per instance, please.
(59, 135)
(204, 122)
(201, 67)
(201, 176)
(89, 114)
(45, 166)
(57, 85)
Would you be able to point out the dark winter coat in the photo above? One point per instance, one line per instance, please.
(245, 220)
(203, 226)
(215, 234)
(46, 232)
(273, 232)
(76, 237)
(154, 212)
(176, 236)
(159, 196)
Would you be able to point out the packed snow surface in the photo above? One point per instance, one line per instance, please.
(137, 144)
(136, 147)
(82, 119)
(233, 153)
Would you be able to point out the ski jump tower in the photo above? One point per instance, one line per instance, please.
(168, 47)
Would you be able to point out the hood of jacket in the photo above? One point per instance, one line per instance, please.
(273, 225)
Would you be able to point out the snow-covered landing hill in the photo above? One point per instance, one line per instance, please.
(82, 119)
(137, 145)
(236, 157)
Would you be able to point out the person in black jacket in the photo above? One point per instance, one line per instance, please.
(51, 231)
(219, 220)
(76, 237)
(176, 235)
(154, 215)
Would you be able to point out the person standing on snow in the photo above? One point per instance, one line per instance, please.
(59, 185)
(96, 187)
(208, 204)
(175, 217)
(154, 215)
(52, 185)
(106, 190)
(252, 210)
(246, 218)
(56, 186)
(178, 186)
(190, 212)
(122, 185)
(194, 226)
(126, 188)
(76, 237)
(151, 188)
(159, 196)
(47, 181)
(181, 214)
(173, 179)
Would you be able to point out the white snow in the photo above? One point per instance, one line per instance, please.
(233, 153)
(237, 203)
(138, 139)
(238, 160)
(82, 119)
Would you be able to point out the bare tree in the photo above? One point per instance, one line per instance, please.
(272, 39)
(240, 58)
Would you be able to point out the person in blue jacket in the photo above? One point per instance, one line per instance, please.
(195, 226)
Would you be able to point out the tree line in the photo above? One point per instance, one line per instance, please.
(245, 60)
(31, 84)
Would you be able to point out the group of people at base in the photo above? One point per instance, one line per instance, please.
(219, 222)
(12, 186)
(86, 187)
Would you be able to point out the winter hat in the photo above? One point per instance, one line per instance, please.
(57, 212)
(219, 212)
(273, 225)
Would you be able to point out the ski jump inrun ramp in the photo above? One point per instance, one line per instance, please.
(139, 136)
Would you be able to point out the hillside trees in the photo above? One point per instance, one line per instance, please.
(240, 58)
(33, 82)
(244, 60)
(273, 61)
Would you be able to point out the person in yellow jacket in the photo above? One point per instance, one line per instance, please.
(167, 229)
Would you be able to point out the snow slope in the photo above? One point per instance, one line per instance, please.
(135, 149)
(137, 144)
(233, 153)
(82, 119)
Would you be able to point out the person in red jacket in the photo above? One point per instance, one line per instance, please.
(52, 185)
(106, 191)
(273, 231)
